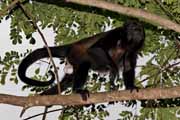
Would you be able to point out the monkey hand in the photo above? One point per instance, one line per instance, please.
(84, 94)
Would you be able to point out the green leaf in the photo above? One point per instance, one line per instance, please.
(32, 41)
(37, 71)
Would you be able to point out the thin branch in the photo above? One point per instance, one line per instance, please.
(45, 113)
(163, 68)
(172, 65)
(29, 16)
(75, 99)
(42, 114)
(9, 7)
(166, 11)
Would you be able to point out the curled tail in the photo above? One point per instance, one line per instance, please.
(58, 52)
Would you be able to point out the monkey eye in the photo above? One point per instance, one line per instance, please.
(135, 28)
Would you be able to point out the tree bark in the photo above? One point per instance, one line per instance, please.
(129, 11)
(75, 99)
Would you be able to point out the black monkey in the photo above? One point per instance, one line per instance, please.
(104, 51)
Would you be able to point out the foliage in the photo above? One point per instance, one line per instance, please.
(159, 113)
(72, 22)
(84, 113)
(9, 63)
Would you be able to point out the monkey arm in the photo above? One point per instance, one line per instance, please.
(77, 80)
(80, 77)
(114, 71)
(129, 64)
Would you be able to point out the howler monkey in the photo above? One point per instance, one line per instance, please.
(104, 51)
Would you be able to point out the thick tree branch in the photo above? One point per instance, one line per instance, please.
(75, 99)
(134, 12)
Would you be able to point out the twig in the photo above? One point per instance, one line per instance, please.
(23, 110)
(165, 68)
(166, 11)
(29, 16)
(42, 114)
(9, 7)
(45, 113)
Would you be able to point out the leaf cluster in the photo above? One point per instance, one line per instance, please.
(8, 66)
(84, 113)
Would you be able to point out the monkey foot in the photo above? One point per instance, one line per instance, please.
(84, 94)
(133, 88)
(113, 87)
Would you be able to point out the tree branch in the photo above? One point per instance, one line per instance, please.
(42, 114)
(75, 99)
(11, 6)
(129, 11)
(30, 17)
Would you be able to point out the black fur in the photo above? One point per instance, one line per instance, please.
(116, 46)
